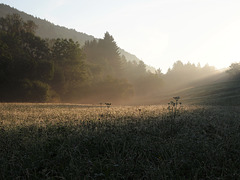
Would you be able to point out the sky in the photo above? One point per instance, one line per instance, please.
(159, 32)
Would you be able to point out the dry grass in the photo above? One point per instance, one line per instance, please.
(64, 141)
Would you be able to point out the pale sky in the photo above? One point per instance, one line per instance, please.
(159, 32)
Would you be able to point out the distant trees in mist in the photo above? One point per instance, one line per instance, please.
(181, 74)
(60, 70)
(234, 71)
(37, 70)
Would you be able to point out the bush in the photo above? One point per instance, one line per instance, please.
(234, 70)
(33, 91)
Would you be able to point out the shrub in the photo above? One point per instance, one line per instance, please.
(33, 91)
(234, 70)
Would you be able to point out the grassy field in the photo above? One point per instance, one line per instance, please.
(65, 141)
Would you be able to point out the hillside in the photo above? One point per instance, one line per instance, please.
(218, 89)
(45, 28)
(49, 30)
(220, 93)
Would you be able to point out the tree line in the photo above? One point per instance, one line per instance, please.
(33, 69)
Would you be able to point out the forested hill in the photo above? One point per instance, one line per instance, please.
(49, 30)
(35, 69)
(63, 65)
(45, 28)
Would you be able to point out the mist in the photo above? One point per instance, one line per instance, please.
(35, 69)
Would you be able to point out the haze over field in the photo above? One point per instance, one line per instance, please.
(44, 62)
(159, 32)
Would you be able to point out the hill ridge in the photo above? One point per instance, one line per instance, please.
(49, 30)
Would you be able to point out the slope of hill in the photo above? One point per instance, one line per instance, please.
(49, 30)
(131, 57)
(46, 29)
(216, 90)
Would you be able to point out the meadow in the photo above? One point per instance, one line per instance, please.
(67, 141)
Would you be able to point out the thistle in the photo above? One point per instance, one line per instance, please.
(108, 104)
(173, 106)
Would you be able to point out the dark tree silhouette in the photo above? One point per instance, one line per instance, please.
(234, 70)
